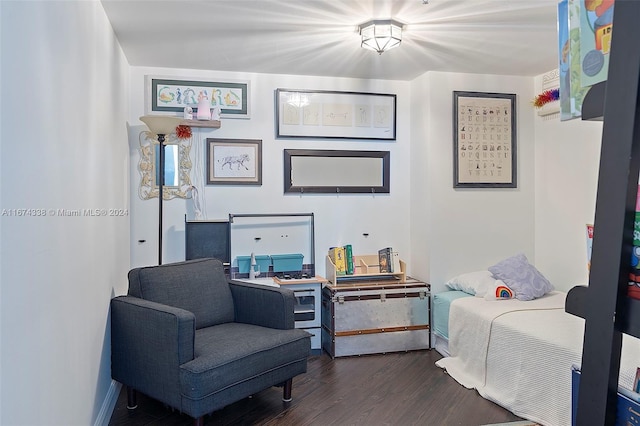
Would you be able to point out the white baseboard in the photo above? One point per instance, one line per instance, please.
(109, 403)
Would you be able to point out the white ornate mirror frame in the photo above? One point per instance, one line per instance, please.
(148, 186)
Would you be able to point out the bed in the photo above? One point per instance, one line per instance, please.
(518, 354)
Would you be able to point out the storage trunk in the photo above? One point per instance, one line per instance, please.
(375, 317)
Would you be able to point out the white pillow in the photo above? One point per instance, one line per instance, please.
(499, 291)
(474, 283)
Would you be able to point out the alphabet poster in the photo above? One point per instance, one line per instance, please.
(485, 140)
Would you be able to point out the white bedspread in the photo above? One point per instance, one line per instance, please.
(519, 354)
(470, 321)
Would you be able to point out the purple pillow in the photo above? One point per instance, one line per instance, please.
(521, 277)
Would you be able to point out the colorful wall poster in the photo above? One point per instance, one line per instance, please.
(596, 25)
(564, 60)
(577, 91)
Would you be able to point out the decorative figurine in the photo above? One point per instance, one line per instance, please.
(215, 113)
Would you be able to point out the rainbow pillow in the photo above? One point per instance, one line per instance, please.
(500, 291)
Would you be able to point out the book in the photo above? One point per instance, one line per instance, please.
(348, 256)
(634, 276)
(395, 263)
(589, 244)
(385, 260)
(633, 288)
(337, 256)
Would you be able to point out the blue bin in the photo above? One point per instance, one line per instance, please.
(626, 407)
(287, 262)
(262, 260)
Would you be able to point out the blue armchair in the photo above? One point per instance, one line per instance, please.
(190, 338)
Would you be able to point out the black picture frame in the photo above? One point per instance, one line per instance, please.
(335, 115)
(484, 140)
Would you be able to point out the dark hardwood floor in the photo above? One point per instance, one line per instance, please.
(391, 389)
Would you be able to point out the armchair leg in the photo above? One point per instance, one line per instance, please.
(286, 392)
(132, 398)
(199, 421)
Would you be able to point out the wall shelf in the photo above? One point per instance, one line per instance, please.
(213, 124)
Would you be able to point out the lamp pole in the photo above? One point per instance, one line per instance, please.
(161, 165)
(160, 126)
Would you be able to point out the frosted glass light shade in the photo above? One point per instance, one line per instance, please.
(161, 124)
(381, 35)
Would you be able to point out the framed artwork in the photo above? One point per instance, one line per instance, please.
(164, 95)
(484, 134)
(340, 115)
(234, 161)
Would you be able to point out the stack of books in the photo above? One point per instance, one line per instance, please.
(634, 276)
(342, 258)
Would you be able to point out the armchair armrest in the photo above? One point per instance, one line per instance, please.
(263, 305)
(149, 341)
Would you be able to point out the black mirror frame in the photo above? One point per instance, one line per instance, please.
(342, 189)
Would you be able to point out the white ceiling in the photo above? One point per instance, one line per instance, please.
(320, 37)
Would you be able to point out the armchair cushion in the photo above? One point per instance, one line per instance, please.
(198, 286)
(233, 353)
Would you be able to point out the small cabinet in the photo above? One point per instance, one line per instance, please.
(307, 311)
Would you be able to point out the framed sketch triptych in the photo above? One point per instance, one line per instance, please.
(330, 114)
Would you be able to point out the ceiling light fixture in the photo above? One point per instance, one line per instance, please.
(381, 35)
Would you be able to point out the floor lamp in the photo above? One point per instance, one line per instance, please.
(161, 126)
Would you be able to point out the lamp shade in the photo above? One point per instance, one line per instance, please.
(161, 124)
(381, 35)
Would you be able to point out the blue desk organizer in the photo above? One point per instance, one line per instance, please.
(287, 262)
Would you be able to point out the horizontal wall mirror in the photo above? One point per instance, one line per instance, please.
(336, 171)
(177, 167)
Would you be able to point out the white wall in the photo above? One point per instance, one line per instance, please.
(567, 158)
(463, 230)
(444, 230)
(64, 146)
(339, 219)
